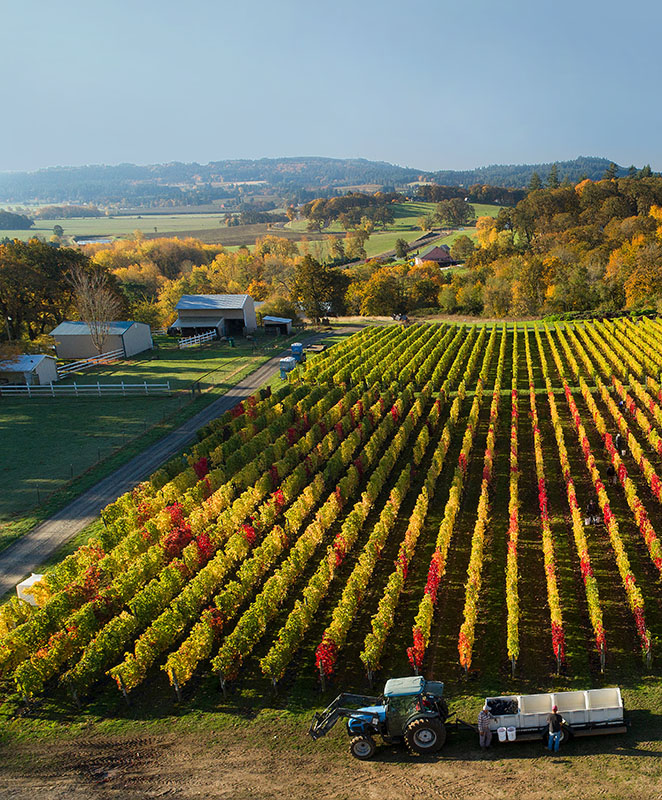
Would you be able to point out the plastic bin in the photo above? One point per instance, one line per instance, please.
(502, 734)
(512, 733)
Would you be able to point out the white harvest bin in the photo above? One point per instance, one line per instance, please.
(23, 588)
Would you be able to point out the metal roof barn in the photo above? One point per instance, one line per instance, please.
(228, 314)
(73, 339)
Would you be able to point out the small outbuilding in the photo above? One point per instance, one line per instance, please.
(276, 325)
(39, 370)
(73, 339)
(227, 314)
(440, 255)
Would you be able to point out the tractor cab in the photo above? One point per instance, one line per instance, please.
(411, 710)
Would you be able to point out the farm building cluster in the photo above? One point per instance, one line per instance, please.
(226, 315)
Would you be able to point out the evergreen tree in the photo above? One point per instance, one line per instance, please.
(611, 172)
(553, 177)
(535, 183)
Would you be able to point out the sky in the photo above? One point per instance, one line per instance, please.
(430, 84)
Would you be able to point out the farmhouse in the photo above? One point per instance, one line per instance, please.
(33, 370)
(73, 339)
(440, 255)
(228, 314)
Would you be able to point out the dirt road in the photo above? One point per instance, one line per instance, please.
(263, 761)
(24, 555)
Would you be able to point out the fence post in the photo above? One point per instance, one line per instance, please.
(52, 390)
(99, 388)
(76, 388)
(29, 392)
(146, 389)
(168, 385)
(123, 390)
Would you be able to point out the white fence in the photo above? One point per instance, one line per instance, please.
(201, 338)
(84, 389)
(77, 366)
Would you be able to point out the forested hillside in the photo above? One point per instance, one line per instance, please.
(298, 179)
(596, 245)
(520, 175)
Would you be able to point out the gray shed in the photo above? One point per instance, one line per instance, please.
(228, 314)
(73, 339)
(37, 370)
(277, 325)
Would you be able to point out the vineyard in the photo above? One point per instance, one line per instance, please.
(412, 500)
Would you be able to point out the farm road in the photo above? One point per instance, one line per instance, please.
(26, 553)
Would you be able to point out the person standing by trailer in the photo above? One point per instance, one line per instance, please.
(554, 722)
(484, 732)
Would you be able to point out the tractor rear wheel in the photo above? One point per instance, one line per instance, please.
(425, 735)
(362, 747)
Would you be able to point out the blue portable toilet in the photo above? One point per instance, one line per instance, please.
(287, 364)
(297, 351)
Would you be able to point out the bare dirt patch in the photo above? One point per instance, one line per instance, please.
(266, 760)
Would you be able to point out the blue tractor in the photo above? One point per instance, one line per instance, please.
(411, 710)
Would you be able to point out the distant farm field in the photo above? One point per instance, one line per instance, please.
(211, 228)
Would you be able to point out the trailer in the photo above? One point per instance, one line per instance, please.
(523, 717)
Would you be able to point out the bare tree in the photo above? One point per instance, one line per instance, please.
(96, 302)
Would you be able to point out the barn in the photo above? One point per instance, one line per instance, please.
(228, 314)
(73, 339)
(36, 370)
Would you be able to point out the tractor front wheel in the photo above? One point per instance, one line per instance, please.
(362, 747)
(425, 736)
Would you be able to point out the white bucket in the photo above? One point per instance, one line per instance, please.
(512, 733)
(502, 734)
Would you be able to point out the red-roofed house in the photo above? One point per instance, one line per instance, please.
(439, 255)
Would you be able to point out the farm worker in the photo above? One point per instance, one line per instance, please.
(611, 474)
(592, 513)
(484, 732)
(554, 722)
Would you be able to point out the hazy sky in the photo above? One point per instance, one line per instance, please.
(432, 84)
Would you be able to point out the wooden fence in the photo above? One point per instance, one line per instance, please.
(201, 338)
(77, 366)
(85, 389)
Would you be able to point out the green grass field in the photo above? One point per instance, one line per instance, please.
(114, 226)
(207, 227)
(45, 443)
(406, 226)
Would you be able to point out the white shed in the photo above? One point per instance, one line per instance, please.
(73, 339)
(33, 370)
(228, 314)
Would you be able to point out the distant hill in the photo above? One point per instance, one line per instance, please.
(299, 178)
(518, 176)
